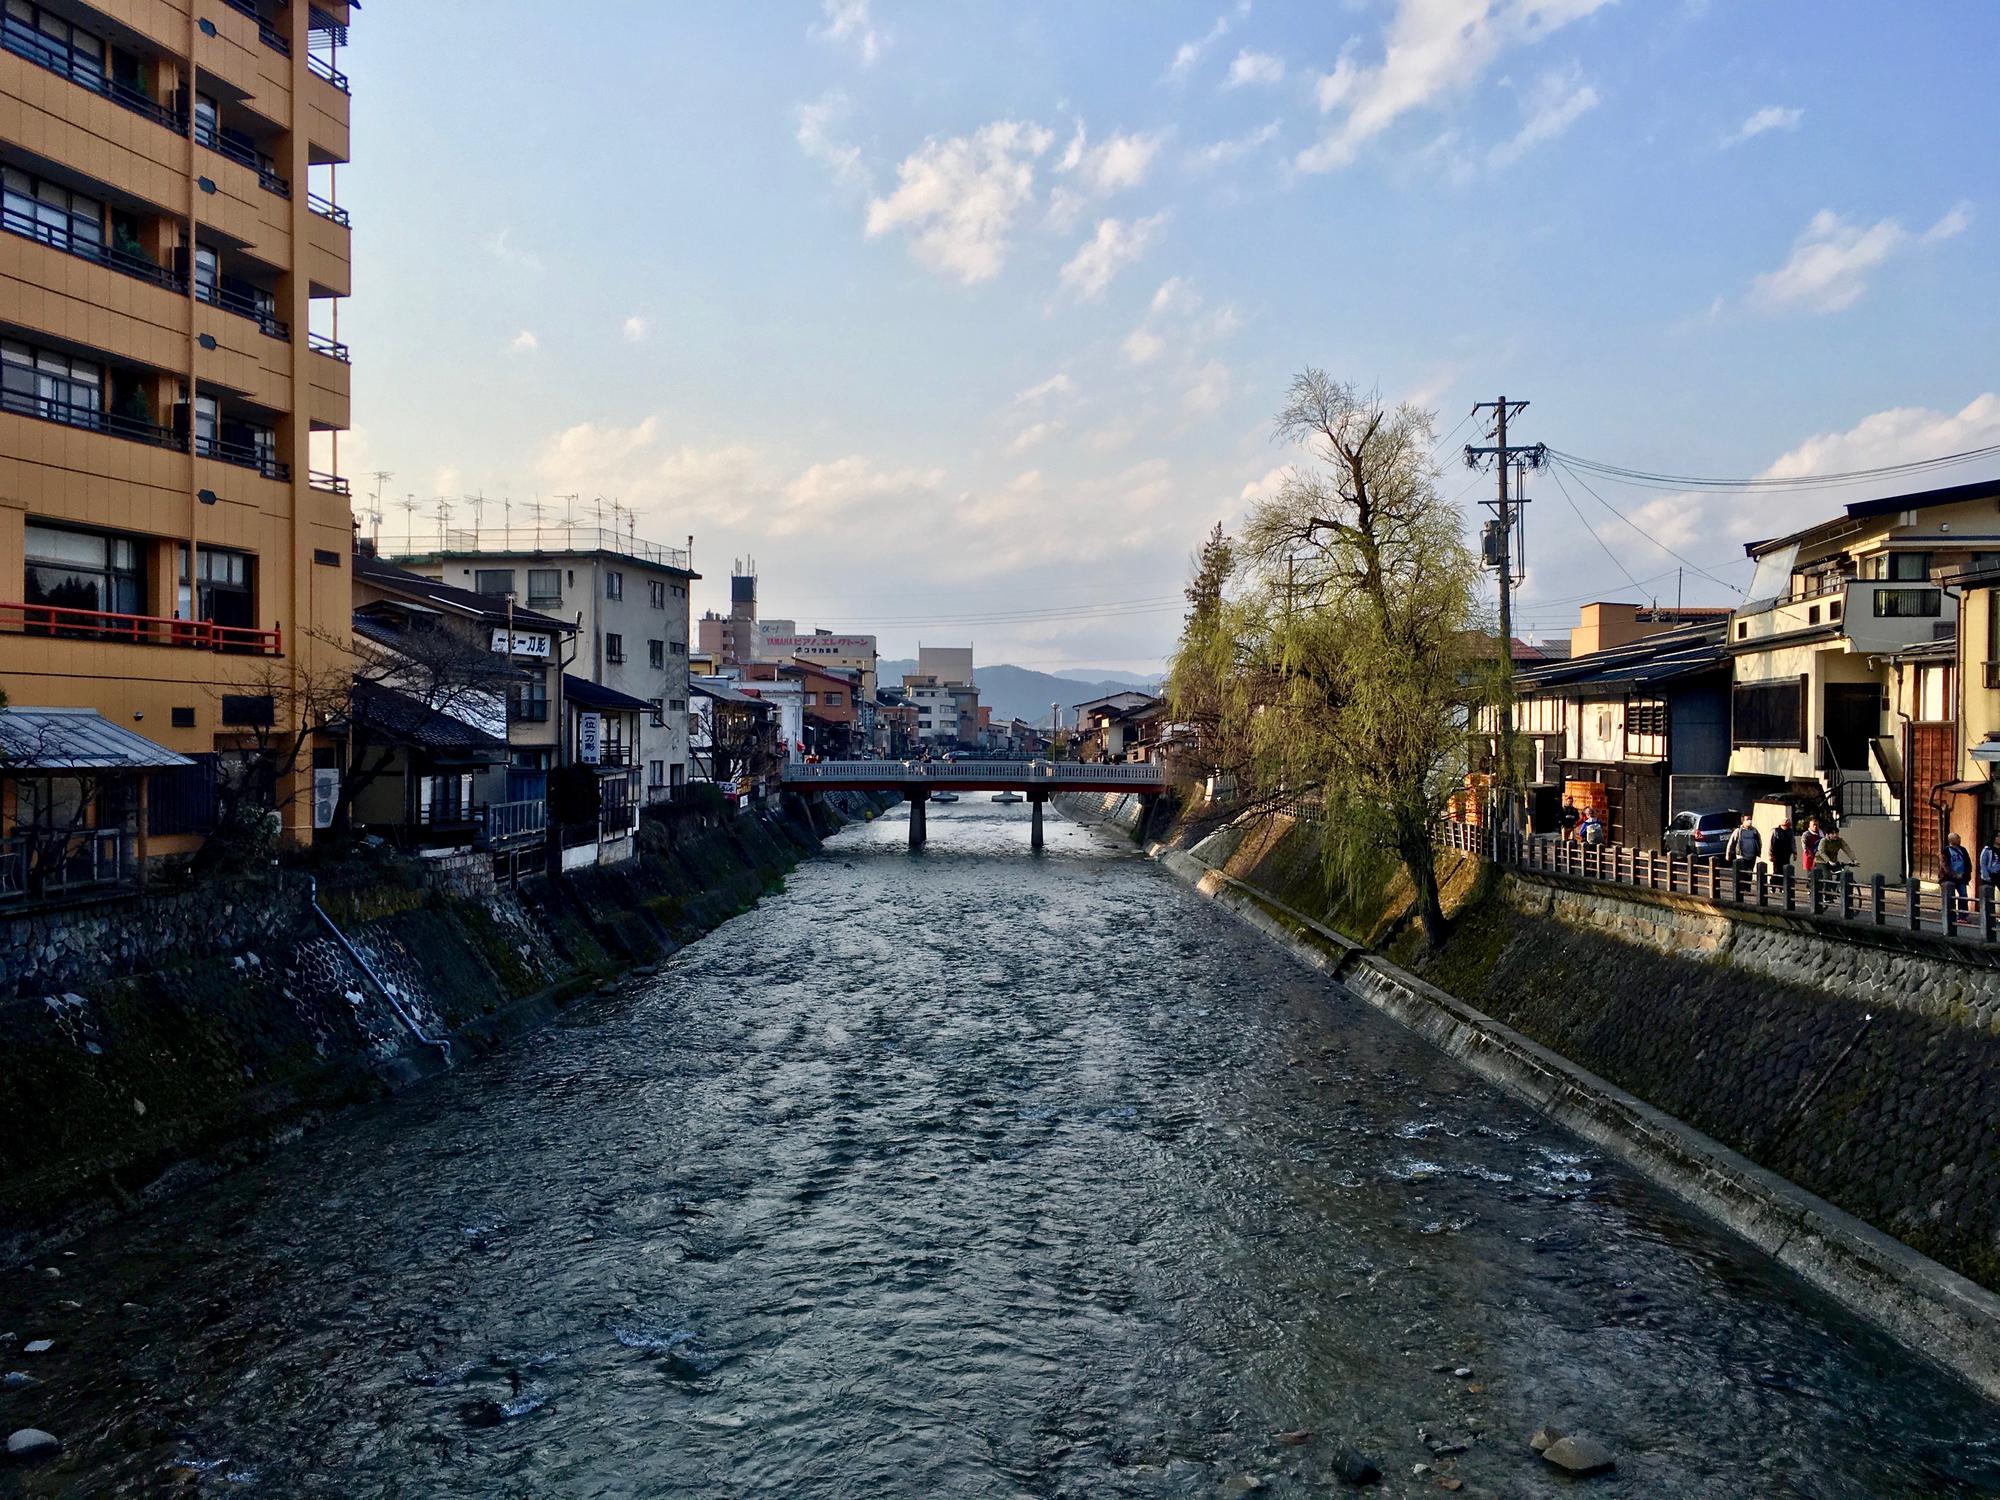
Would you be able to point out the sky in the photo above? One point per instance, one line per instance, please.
(966, 322)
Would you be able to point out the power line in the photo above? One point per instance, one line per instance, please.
(1640, 529)
(1650, 480)
(1620, 566)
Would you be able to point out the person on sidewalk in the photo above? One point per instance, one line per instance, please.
(1590, 832)
(1834, 855)
(1744, 845)
(1570, 819)
(1782, 844)
(1989, 863)
(1809, 845)
(1955, 873)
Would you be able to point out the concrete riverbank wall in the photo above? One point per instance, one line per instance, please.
(146, 1045)
(1836, 1102)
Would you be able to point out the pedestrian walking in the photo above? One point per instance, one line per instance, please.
(1955, 873)
(1744, 845)
(1590, 831)
(1782, 845)
(1571, 817)
(1989, 864)
(1809, 845)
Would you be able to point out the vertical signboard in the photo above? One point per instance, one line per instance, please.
(589, 732)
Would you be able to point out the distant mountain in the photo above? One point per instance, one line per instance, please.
(1019, 693)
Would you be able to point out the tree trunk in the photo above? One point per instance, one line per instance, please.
(1420, 859)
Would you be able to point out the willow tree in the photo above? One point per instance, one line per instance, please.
(1346, 658)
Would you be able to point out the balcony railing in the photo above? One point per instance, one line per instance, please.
(247, 455)
(326, 208)
(227, 145)
(324, 68)
(23, 40)
(58, 238)
(49, 864)
(515, 822)
(333, 484)
(332, 348)
(551, 537)
(244, 307)
(51, 402)
(268, 34)
(139, 630)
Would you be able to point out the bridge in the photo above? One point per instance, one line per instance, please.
(1037, 780)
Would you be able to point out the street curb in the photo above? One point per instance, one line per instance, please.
(1936, 1312)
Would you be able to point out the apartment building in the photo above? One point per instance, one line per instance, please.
(171, 266)
(628, 599)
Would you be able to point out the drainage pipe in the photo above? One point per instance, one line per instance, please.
(408, 1020)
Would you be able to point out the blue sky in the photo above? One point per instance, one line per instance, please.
(967, 321)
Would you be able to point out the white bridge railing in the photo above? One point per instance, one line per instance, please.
(975, 772)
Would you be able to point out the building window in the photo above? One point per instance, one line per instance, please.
(493, 582)
(249, 710)
(614, 645)
(812, 700)
(39, 383)
(52, 214)
(677, 705)
(84, 570)
(1768, 713)
(680, 647)
(656, 593)
(832, 700)
(656, 653)
(544, 587)
(1908, 604)
(223, 594)
(55, 44)
(528, 700)
(656, 773)
(614, 584)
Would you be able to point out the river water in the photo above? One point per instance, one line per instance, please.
(968, 1173)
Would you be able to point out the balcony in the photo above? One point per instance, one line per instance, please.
(326, 208)
(139, 630)
(224, 144)
(319, 343)
(323, 67)
(13, 221)
(245, 455)
(333, 484)
(244, 306)
(1869, 615)
(52, 401)
(87, 72)
(507, 824)
(268, 34)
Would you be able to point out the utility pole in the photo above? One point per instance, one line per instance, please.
(1497, 550)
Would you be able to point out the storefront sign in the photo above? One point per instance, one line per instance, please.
(589, 729)
(526, 643)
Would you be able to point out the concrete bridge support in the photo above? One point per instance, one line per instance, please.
(918, 833)
(1035, 801)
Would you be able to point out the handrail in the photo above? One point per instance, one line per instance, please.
(946, 773)
(332, 348)
(139, 630)
(326, 208)
(217, 295)
(227, 145)
(87, 72)
(333, 484)
(325, 69)
(146, 269)
(395, 1004)
(84, 414)
(245, 455)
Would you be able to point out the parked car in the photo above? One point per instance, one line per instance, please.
(1703, 835)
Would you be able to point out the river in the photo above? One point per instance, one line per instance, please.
(967, 1173)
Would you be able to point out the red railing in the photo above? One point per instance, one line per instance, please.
(140, 630)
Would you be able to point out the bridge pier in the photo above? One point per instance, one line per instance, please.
(917, 798)
(1035, 801)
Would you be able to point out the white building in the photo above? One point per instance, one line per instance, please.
(629, 600)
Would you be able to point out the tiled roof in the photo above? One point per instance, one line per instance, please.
(77, 739)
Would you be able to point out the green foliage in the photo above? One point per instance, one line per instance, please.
(1344, 657)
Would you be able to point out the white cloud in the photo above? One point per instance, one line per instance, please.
(1058, 384)
(839, 489)
(1897, 435)
(958, 197)
(1119, 162)
(1432, 50)
(1176, 294)
(635, 329)
(1263, 68)
(1266, 487)
(1770, 117)
(816, 139)
(848, 21)
(1142, 346)
(1033, 436)
(524, 342)
(1189, 53)
(1558, 100)
(1116, 245)
(1832, 258)
(499, 246)
(1208, 389)
(1222, 152)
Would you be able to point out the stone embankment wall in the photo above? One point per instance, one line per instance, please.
(147, 1044)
